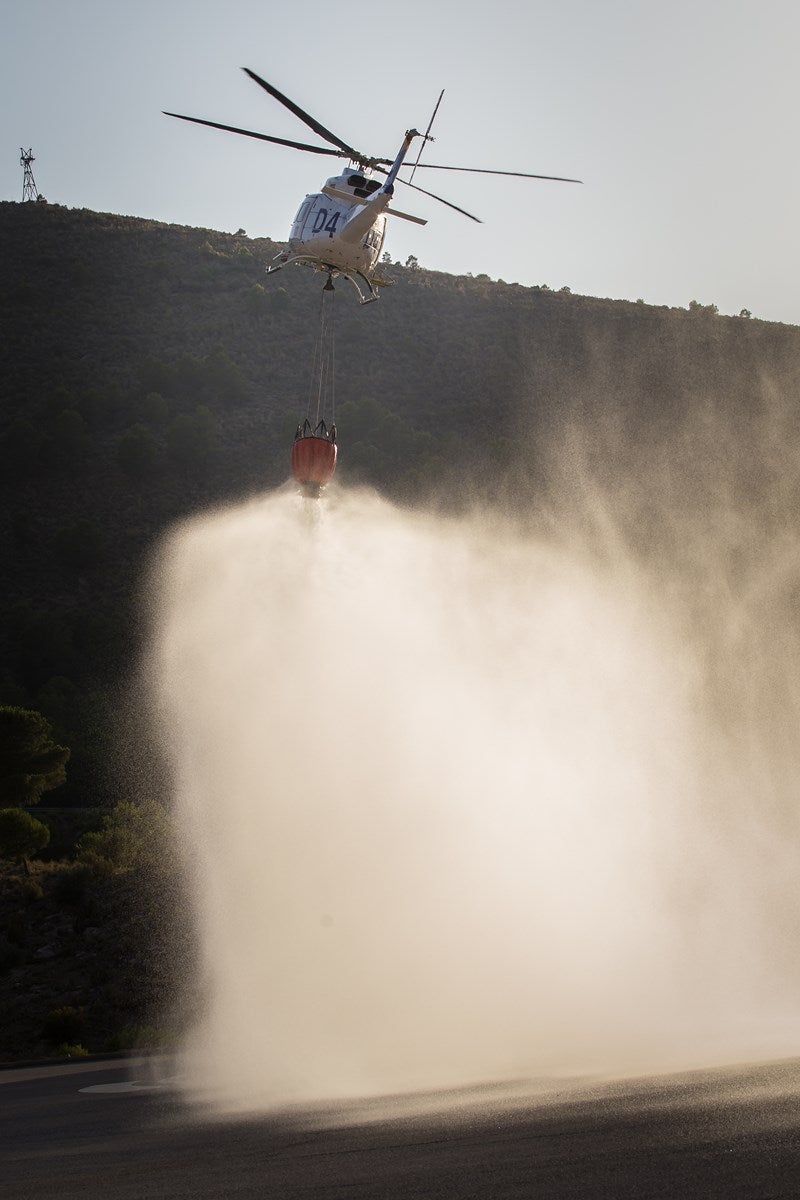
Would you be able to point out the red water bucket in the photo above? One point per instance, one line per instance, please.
(313, 460)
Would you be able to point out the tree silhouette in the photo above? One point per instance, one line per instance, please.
(138, 451)
(30, 761)
(21, 835)
(191, 439)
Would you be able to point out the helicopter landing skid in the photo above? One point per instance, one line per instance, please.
(332, 271)
(373, 295)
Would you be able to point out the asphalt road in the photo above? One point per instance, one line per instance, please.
(732, 1134)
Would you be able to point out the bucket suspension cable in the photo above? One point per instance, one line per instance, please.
(332, 387)
(314, 451)
(322, 385)
(316, 358)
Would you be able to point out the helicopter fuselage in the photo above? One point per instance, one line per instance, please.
(341, 229)
(342, 226)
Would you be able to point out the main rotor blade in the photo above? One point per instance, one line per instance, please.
(305, 117)
(488, 171)
(433, 196)
(263, 137)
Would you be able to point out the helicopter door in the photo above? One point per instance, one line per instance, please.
(302, 216)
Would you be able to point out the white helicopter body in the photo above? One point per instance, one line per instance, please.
(337, 227)
(341, 229)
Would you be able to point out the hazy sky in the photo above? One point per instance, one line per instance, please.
(681, 118)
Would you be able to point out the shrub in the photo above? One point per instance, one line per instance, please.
(133, 837)
(191, 439)
(30, 761)
(21, 835)
(72, 1050)
(32, 890)
(140, 1037)
(138, 452)
(72, 886)
(153, 408)
(64, 1024)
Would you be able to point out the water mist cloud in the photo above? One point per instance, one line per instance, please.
(458, 805)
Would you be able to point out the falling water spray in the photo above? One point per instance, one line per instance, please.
(465, 800)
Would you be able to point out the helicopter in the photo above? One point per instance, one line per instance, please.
(341, 229)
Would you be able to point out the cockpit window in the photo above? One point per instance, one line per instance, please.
(356, 181)
(371, 185)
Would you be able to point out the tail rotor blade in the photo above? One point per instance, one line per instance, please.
(426, 138)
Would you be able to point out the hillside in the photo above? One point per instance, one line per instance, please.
(149, 371)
